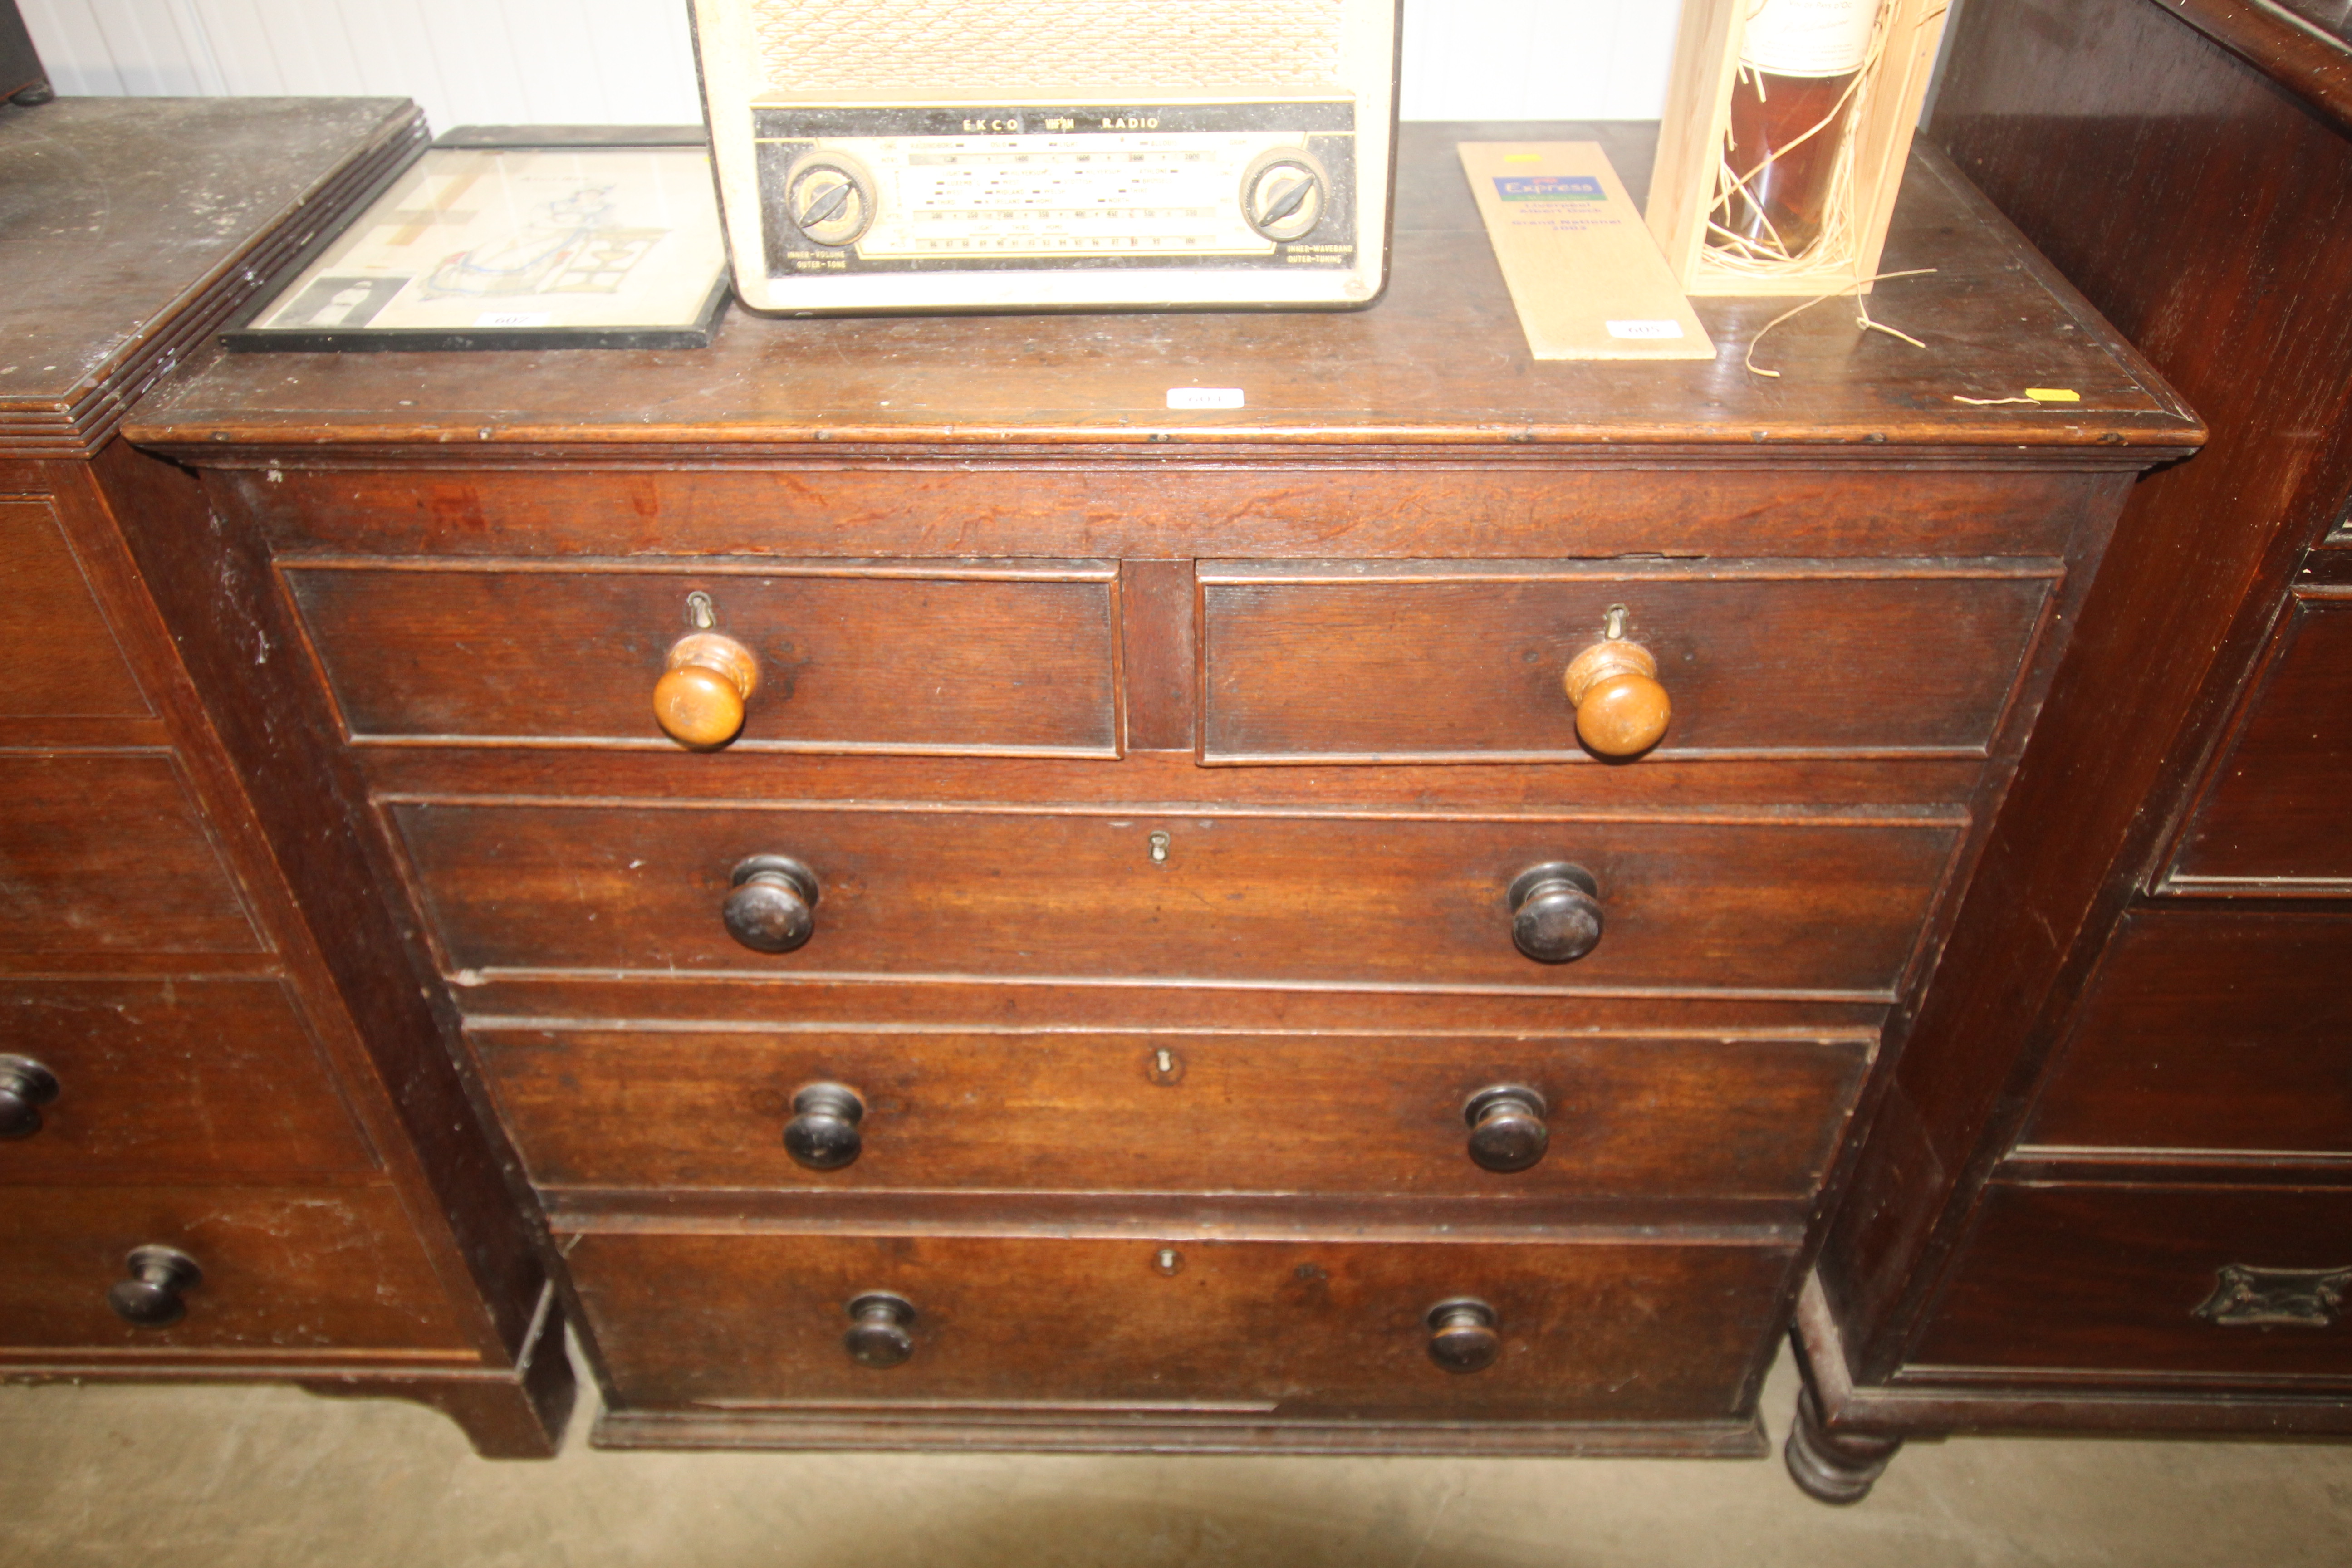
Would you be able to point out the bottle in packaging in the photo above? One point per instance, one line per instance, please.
(1791, 110)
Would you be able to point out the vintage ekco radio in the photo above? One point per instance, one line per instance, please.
(969, 154)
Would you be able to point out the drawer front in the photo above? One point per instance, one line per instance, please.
(1597, 1330)
(1207, 1112)
(2206, 1030)
(108, 852)
(1410, 662)
(2280, 806)
(284, 1271)
(995, 658)
(1793, 905)
(58, 658)
(2153, 1280)
(184, 1077)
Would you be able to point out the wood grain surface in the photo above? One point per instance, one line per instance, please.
(58, 658)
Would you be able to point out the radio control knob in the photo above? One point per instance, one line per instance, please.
(831, 200)
(1285, 194)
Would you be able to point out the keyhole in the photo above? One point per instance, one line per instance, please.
(701, 613)
(1613, 627)
(1168, 1260)
(1159, 848)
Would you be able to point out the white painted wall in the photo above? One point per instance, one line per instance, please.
(630, 62)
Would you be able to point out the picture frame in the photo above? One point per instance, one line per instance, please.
(513, 238)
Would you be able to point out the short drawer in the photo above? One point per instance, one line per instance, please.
(1642, 1117)
(109, 852)
(1463, 661)
(2278, 809)
(924, 656)
(2210, 1030)
(58, 658)
(1596, 1330)
(1801, 903)
(282, 1271)
(2153, 1280)
(146, 1079)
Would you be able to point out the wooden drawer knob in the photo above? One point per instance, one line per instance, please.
(699, 701)
(1461, 1335)
(1506, 1127)
(26, 1086)
(1555, 911)
(881, 1330)
(1620, 709)
(151, 1296)
(823, 1133)
(773, 906)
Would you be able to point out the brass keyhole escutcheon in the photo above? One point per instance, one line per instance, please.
(1163, 1066)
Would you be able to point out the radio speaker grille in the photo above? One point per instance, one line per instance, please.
(1046, 49)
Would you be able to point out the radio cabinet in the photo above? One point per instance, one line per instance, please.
(233, 1144)
(1123, 946)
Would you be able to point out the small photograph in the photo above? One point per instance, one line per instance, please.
(588, 244)
(340, 303)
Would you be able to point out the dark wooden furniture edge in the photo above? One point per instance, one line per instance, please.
(2293, 53)
(1070, 1433)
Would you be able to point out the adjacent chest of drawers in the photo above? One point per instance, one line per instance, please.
(232, 1143)
(2108, 1188)
(1142, 957)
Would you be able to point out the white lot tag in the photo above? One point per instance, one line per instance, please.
(1205, 397)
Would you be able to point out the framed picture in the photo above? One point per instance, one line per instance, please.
(516, 237)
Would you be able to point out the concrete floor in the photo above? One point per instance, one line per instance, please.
(260, 1477)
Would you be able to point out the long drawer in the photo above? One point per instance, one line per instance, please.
(1798, 903)
(2210, 1030)
(997, 657)
(147, 1078)
(1601, 1328)
(108, 852)
(282, 1271)
(1452, 661)
(1174, 1113)
(2080, 1281)
(58, 658)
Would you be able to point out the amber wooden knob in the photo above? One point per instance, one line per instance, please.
(151, 1296)
(823, 1133)
(26, 1086)
(881, 1332)
(700, 703)
(1620, 709)
(773, 906)
(1461, 1335)
(1506, 1127)
(1555, 912)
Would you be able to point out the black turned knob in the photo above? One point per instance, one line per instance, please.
(880, 1333)
(1461, 1336)
(1506, 1127)
(151, 1296)
(773, 906)
(823, 1133)
(26, 1086)
(1555, 911)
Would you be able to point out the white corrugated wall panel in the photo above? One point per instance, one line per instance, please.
(630, 62)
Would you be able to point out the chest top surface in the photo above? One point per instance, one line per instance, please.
(126, 225)
(1439, 362)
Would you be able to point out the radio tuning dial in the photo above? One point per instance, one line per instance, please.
(1284, 194)
(831, 199)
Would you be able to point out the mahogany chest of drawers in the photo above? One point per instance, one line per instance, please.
(2108, 1187)
(1140, 956)
(232, 1141)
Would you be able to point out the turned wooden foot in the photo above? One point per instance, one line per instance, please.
(1833, 1466)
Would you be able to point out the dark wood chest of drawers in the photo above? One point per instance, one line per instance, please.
(2108, 1187)
(232, 1141)
(1157, 845)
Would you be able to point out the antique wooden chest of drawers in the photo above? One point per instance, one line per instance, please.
(232, 1141)
(2108, 1190)
(1138, 955)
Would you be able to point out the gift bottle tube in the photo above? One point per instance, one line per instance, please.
(1791, 110)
